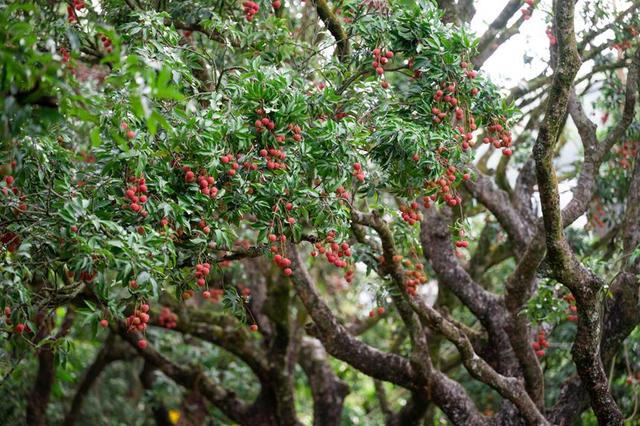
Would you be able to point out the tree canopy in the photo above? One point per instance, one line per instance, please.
(311, 212)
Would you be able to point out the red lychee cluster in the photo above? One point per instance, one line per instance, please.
(379, 60)
(202, 224)
(205, 181)
(357, 172)
(499, 137)
(202, 271)
(264, 123)
(597, 214)
(572, 310)
(87, 276)
(213, 295)
(230, 159)
(136, 195)
(333, 251)
(465, 138)
(471, 74)
(413, 274)
(378, 311)
(460, 241)
(296, 130)
(9, 188)
(250, 9)
(245, 292)
(444, 95)
(138, 320)
(11, 240)
(207, 187)
(631, 379)
(627, 153)
(250, 165)
(106, 43)
(8, 185)
(71, 10)
(621, 47)
(167, 319)
(129, 132)
(66, 56)
(273, 156)
(20, 328)
(410, 213)
(284, 263)
(443, 189)
(342, 193)
(349, 273)
(540, 344)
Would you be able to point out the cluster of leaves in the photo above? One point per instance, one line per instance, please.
(152, 109)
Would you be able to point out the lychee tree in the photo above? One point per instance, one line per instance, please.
(206, 190)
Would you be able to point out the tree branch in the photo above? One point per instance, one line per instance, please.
(190, 378)
(339, 343)
(498, 24)
(335, 28)
(585, 286)
(327, 390)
